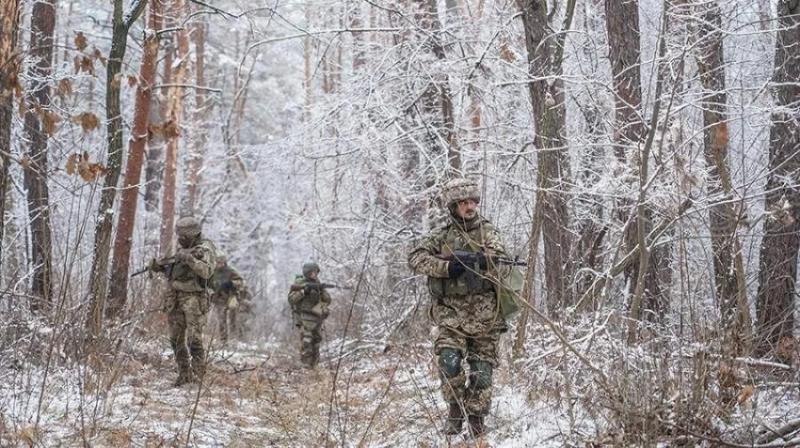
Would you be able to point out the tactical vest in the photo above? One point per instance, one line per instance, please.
(471, 241)
(183, 278)
(310, 303)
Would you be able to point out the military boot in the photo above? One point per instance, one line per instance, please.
(476, 426)
(455, 419)
(184, 377)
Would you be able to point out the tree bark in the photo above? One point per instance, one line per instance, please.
(779, 248)
(9, 71)
(622, 24)
(174, 116)
(545, 56)
(729, 278)
(201, 113)
(123, 240)
(43, 22)
(98, 281)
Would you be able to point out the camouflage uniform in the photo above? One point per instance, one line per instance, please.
(464, 308)
(227, 286)
(309, 310)
(186, 303)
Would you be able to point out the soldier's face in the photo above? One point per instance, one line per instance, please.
(467, 209)
(312, 275)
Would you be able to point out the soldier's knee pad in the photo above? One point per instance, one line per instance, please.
(481, 374)
(450, 362)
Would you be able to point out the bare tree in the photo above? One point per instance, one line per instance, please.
(9, 70)
(201, 114)
(98, 282)
(777, 289)
(39, 123)
(174, 118)
(729, 277)
(123, 240)
(545, 57)
(622, 25)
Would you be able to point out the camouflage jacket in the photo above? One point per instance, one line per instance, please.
(314, 303)
(456, 304)
(225, 282)
(193, 274)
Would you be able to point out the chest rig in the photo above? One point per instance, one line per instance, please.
(472, 281)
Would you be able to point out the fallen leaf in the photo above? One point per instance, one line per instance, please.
(132, 81)
(64, 87)
(745, 394)
(50, 122)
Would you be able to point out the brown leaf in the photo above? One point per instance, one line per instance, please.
(155, 131)
(116, 82)
(86, 64)
(132, 81)
(506, 53)
(99, 56)
(745, 394)
(72, 163)
(25, 162)
(87, 120)
(80, 164)
(64, 87)
(80, 41)
(50, 122)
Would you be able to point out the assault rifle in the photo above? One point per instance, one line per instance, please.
(166, 264)
(480, 259)
(309, 287)
(477, 262)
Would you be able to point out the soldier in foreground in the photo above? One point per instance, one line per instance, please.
(459, 262)
(228, 287)
(309, 302)
(186, 301)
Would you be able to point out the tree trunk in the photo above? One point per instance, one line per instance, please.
(123, 239)
(9, 70)
(174, 117)
(779, 249)
(545, 56)
(201, 113)
(154, 172)
(729, 278)
(622, 24)
(43, 22)
(98, 281)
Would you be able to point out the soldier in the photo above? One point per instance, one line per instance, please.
(309, 309)
(464, 306)
(227, 286)
(186, 302)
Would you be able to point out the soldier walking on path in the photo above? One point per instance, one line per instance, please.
(309, 302)
(228, 287)
(464, 306)
(186, 301)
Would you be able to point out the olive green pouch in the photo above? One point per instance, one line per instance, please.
(509, 291)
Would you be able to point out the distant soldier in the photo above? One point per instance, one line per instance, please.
(227, 286)
(186, 302)
(465, 308)
(310, 302)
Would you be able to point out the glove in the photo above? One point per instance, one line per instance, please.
(184, 255)
(455, 269)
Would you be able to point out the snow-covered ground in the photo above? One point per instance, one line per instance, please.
(257, 394)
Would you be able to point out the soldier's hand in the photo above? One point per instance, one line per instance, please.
(184, 255)
(155, 266)
(455, 269)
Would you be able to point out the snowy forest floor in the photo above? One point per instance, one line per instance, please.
(362, 394)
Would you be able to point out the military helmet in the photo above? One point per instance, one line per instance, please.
(309, 267)
(458, 190)
(222, 258)
(188, 226)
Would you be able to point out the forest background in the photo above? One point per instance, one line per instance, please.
(641, 156)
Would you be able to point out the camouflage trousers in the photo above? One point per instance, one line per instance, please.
(227, 321)
(472, 390)
(186, 315)
(310, 338)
